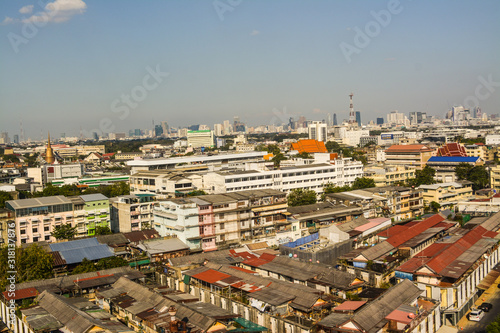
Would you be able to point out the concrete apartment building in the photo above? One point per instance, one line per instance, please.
(447, 194)
(215, 221)
(495, 177)
(36, 218)
(414, 155)
(180, 217)
(402, 202)
(163, 183)
(6, 219)
(389, 175)
(131, 212)
(479, 150)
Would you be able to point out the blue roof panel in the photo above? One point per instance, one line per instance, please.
(75, 244)
(456, 159)
(91, 253)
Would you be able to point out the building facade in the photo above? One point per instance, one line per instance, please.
(132, 212)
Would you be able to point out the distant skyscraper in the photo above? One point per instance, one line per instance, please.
(95, 136)
(238, 126)
(218, 129)
(317, 131)
(165, 127)
(4, 137)
(16, 138)
(137, 132)
(329, 119)
(358, 118)
(352, 116)
(158, 130)
(380, 121)
(334, 119)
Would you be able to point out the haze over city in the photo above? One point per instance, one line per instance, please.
(245, 59)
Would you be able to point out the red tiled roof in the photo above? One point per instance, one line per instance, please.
(408, 148)
(245, 254)
(94, 277)
(452, 149)
(309, 146)
(421, 258)
(415, 230)
(211, 276)
(20, 294)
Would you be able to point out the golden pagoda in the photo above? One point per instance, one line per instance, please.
(49, 154)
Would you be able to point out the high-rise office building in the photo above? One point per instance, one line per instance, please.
(358, 118)
(158, 130)
(417, 117)
(165, 127)
(16, 138)
(334, 119)
(380, 121)
(218, 129)
(317, 131)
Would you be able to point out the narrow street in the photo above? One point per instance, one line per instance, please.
(492, 295)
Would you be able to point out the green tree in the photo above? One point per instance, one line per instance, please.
(31, 263)
(196, 193)
(64, 231)
(102, 231)
(4, 196)
(479, 176)
(277, 159)
(462, 170)
(435, 206)
(333, 147)
(273, 149)
(423, 177)
(111, 262)
(299, 197)
(363, 182)
(86, 266)
(304, 155)
(330, 188)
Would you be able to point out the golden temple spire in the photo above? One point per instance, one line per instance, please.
(49, 154)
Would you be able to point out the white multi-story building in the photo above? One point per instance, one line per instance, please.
(47, 173)
(214, 162)
(178, 217)
(310, 177)
(131, 212)
(492, 139)
(317, 131)
(218, 129)
(201, 138)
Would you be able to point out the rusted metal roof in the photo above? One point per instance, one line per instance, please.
(20, 294)
(211, 276)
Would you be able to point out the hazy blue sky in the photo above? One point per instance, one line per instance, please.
(239, 58)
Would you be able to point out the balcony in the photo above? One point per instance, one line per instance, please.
(134, 213)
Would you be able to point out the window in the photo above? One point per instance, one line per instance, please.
(35, 230)
(23, 231)
(35, 239)
(47, 238)
(46, 228)
(221, 226)
(221, 216)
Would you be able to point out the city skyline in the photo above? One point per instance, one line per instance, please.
(205, 62)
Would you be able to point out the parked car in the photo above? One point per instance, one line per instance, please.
(486, 307)
(476, 315)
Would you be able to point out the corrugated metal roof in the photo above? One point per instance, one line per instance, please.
(415, 230)
(349, 306)
(75, 244)
(91, 253)
(93, 197)
(211, 276)
(21, 294)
